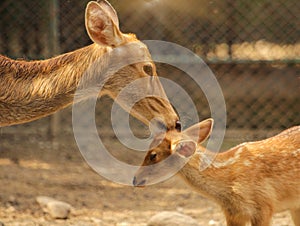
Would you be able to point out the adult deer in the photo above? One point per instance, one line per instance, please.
(250, 181)
(34, 89)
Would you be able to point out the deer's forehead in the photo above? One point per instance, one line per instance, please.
(174, 136)
(135, 49)
(163, 149)
(164, 142)
(158, 142)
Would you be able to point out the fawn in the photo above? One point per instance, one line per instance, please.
(34, 89)
(250, 182)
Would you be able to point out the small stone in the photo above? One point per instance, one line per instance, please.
(97, 221)
(123, 224)
(213, 222)
(56, 209)
(43, 201)
(179, 209)
(59, 210)
(169, 218)
(12, 200)
(11, 209)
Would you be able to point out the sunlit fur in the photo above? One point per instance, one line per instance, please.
(34, 89)
(250, 182)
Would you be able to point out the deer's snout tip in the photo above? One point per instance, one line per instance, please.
(134, 181)
(137, 183)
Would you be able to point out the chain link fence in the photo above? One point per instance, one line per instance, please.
(253, 48)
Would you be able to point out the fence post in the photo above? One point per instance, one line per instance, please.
(231, 23)
(54, 49)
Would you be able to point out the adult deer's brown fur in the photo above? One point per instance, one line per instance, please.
(250, 182)
(33, 89)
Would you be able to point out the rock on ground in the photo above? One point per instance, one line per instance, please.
(56, 209)
(168, 218)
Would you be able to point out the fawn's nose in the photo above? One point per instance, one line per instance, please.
(137, 183)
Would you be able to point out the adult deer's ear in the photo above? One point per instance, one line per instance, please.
(102, 24)
(185, 149)
(110, 11)
(200, 131)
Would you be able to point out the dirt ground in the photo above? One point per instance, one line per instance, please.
(32, 165)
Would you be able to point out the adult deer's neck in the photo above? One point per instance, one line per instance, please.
(33, 89)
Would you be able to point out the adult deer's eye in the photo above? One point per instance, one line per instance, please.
(153, 156)
(178, 126)
(148, 69)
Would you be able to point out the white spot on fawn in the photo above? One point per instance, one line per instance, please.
(247, 163)
(231, 160)
(296, 152)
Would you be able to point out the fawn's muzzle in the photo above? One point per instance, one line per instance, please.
(137, 183)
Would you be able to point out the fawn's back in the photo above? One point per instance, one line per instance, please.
(267, 169)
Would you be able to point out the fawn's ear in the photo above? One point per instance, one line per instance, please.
(102, 24)
(185, 149)
(200, 131)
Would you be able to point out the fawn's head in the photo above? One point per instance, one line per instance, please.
(175, 148)
(146, 99)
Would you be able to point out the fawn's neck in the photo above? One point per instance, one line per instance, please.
(30, 90)
(216, 179)
(210, 182)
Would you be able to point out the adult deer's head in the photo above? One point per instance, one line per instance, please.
(170, 151)
(134, 83)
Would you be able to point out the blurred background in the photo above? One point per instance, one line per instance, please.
(252, 47)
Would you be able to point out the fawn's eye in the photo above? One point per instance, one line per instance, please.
(153, 156)
(148, 69)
